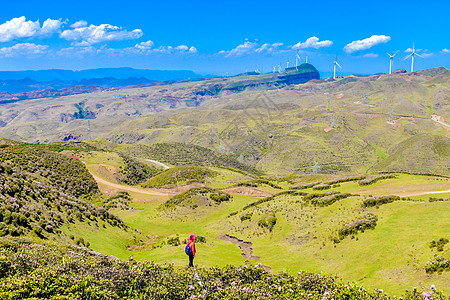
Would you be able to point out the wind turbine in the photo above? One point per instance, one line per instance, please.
(306, 58)
(412, 54)
(335, 63)
(391, 59)
(297, 58)
(287, 64)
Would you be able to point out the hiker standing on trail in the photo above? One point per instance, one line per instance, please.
(190, 249)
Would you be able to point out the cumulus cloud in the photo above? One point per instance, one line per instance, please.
(18, 28)
(23, 49)
(312, 42)
(79, 24)
(445, 51)
(370, 55)
(93, 34)
(366, 43)
(50, 27)
(251, 47)
(143, 48)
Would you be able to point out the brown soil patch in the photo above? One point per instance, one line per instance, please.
(246, 247)
(420, 193)
(120, 187)
(328, 129)
(246, 191)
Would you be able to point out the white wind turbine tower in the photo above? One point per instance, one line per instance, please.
(412, 54)
(335, 63)
(391, 60)
(297, 58)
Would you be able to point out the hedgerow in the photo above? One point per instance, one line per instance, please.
(374, 178)
(377, 201)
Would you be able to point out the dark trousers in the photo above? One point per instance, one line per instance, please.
(191, 260)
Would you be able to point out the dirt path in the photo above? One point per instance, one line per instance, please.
(132, 189)
(246, 191)
(420, 193)
(246, 247)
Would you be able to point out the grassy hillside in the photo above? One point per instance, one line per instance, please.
(276, 128)
(179, 154)
(180, 175)
(324, 227)
(48, 195)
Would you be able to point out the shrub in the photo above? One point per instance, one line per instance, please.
(438, 264)
(376, 201)
(369, 221)
(374, 178)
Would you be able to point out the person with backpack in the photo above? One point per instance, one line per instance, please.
(190, 249)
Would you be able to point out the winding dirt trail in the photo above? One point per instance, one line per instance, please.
(154, 192)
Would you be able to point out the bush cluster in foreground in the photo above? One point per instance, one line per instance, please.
(44, 271)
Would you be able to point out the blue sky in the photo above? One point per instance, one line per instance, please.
(219, 37)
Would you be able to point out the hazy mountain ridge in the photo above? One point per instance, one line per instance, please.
(273, 126)
(16, 82)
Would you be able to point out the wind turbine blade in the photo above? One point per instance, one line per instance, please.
(407, 56)
(338, 65)
(298, 56)
(389, 54)
(419, 55)
(395, 53)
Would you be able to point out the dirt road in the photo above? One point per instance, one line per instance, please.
(154, 192)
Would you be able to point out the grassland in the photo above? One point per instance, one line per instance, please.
(392, 256)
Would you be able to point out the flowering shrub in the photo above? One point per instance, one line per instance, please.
(369, 221)
(321, 186)
(376, 201)
(30, 270)
(374, 178)
(438, 264)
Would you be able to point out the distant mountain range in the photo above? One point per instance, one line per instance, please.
(14, 82)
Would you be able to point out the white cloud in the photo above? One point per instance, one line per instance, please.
(93, 34)
(148, 48)
(366, 43)
(251, 47)
(427, 54)
(143, 48)
(409, 50)
(79, 24)
(50, 27)
(312, 42)
(23, 49)
(445, 51)
(145, 45)
(18, 28)
(370, 55)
